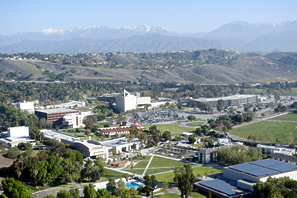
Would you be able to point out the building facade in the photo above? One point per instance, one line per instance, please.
(55, 116)
(126, 101)
(75, 120)
(28, 106)
(266, 149)
(234, 100)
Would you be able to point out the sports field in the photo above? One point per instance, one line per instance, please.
(286, 117)
(268, 131)
(173, 128)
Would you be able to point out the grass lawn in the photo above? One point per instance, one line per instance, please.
(287, 117)
(173, 128)
(141, 164)
(137, 171)
(77, 134)
(101, 124)
(267, 131)
(111, 174)
(171, 195)
(163, 162)
(93, 137)
(195, 123)
(64, 187)
(196, 170)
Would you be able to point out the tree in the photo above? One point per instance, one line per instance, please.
(220, 105)
(15, 189)
(191, 117)
(179, 106)
(150, 183)
(74, 193)
(166, 135)
(88, 132)
(198, 131)
(103, 193)
(24, 146)
(165, 187)
(89, 121)
(89, 191)
(122, 190)
(185, 178)
(111, 186)
(64, 194)
(192, 140)
(126, 176)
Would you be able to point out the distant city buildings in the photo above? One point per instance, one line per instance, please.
(126, 101)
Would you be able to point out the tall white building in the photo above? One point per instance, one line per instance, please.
(75, 120)
(126, 101)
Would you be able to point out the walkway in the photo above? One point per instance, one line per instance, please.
(148, 164)
(121, 171)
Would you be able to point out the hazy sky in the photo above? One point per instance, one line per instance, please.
(180, 16)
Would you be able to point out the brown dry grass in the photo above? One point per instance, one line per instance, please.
(117, 164)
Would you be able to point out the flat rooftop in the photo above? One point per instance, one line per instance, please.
(54, 134)
(242, 96)
(264, 168)
(276, 149)
(119, 141)
(58, 110)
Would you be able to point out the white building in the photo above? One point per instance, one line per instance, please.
(69, 104)
(122, 144)
(75, 120)
(275, 149)
(28, 106)
(226, 142)
(89, 148)
(126, 101)
(16, 135)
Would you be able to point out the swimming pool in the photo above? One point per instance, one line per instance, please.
(132, 184)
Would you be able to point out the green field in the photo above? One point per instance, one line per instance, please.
(112, 175)
(195, 124)
(202, 170)
(77, 134)
(173, 128)
(286, 117)
(267, 131)
(163, 162)
(142, 164)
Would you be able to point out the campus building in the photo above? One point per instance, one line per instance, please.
(266, 149)
(89, 148)
(69, 104)
(238, 180)
(122, 144)
(111, 131)
(126, 101)
(75, 120)
(16, 135)
(108, 97)
(208, 155)
(55, 116)
(28, 106)
(234, 100)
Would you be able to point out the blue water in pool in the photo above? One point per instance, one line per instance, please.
(132, 184)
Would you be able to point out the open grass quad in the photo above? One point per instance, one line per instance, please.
(195, 124)
(268, 131)
(175, 129)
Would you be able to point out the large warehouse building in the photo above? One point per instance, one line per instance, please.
(234, 100)
(126, 101)
(238, 180)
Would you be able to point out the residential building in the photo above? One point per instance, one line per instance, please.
(266, 149)
(75, 120)
(55, 116)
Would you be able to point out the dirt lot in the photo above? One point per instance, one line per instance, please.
(5, 162)
(118, 164)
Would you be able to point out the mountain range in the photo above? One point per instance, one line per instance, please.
(239, 36)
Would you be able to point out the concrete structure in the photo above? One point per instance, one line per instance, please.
(108, 97)
(69, 104)
(75, 120)
(208, 155)
(28, 106)
(16, 135)
(234, 100)
(55, 116)
(266, 149)
(226, 142)
(122, 144)
(238, 180)
(126, 101)
(89, 148)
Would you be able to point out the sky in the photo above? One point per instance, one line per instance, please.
(181, 16)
